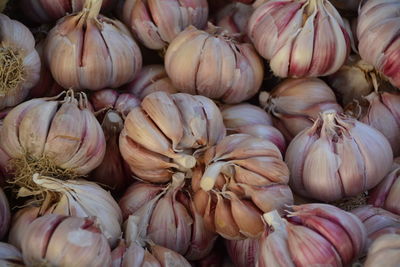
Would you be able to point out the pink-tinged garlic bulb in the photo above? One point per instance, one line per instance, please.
(234, 17)
(381, 110)
(57, 240)
(385, 251)
(300, 38)
(243, 253)
(137, 252)
(352, 81)
(19, 62)
(252, 120)
(151, 78)
(86, 50)
(378, 35)
(311, 235)
(214, 64)
(167, 216)
(58, 138)
(10, 256)
(44, 11)
(337, 157)
(243, 177)
(296, 103)
(157, 22)
(19, 224)
(5, 214)
(162, 135)
(112, 172)
(377, 222)
(81, 198)
(386, 194)
(46, 86)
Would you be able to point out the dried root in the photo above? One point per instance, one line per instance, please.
(11, 70)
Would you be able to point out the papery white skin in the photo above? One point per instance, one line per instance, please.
(296, 103)
(385, 251)
(10, 256)
(305, 38)
(64, 241)
(18, 37)
(234, 17)
(157, 22)
(64, 131)
(214, 65)
(5, 214)
(81, 198)
(378, 35)
(151, 78)
(90, 51)
(337, 157)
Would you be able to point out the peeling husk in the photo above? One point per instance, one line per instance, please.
(337, 157)
(234, 17)
(87, 50)
(296, 103)
(57, 138)
(57, 240)
(19, 62)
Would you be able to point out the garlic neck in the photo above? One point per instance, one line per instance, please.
(93, 7)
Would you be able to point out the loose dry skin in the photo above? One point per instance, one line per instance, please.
(24, 168)
(351, 203)
(11, 70)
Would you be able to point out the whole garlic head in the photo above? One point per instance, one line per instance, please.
(300, 38)
(86, 50)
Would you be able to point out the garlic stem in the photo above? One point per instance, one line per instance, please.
(94, 7)
(185, 161)
(210, 175)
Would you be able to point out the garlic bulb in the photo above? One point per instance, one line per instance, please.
(243, 177)
(166, 216)
(382, 112)
(377, 222)
(46, 86)
(10, 256)
(337, 157)
(151, 78)
(252, 120)
(134, 252)
(387, 193)
(113, 172)
(300, 38)
(163, 133)
(42, 11)
(81, 198)
(243, 253)
(58, 138)
(5, 214)
(351, 81)
(296, 103)
(234, 17)
(385, 251)
(19, 62)
(90, 51)
(213, 64)
(63, 241)
(377, 32)
(19, 224)
(311, 235)
(157, 22)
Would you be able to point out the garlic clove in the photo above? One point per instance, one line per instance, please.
(244, 176)
(393, 199)
(19, 224)
(168, 257)
(274, 251)
(244, 115)
(385, 250)
(184, 227)
(150, 260)
(225, 224)
(247, 217)
(307, 247)
(200, 200)
(159, 106)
